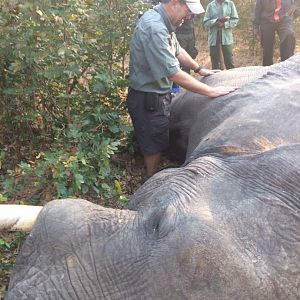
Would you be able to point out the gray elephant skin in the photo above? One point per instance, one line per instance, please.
(224, 225)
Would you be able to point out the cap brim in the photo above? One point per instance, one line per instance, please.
(195, 8)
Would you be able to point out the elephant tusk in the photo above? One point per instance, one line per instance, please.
(18, 217)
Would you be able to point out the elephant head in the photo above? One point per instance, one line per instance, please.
(215, 229)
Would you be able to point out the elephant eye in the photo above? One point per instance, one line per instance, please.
(161, 222)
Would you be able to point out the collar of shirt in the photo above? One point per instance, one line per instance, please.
(160, 9)
(217, 2)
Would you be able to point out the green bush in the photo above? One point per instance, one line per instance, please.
(62, 70)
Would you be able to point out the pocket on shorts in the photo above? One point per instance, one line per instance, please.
(159, 120)
(151, 102)
(132, 100)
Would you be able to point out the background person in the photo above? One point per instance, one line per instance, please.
(155, 58)
(272, 16)
(220, 18)
(186, 37)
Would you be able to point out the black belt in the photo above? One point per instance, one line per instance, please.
(142, 92)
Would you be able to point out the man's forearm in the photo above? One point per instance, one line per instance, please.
(186, 60)
(190, 83)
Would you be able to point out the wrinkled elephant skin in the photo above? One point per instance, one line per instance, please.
(225, 225)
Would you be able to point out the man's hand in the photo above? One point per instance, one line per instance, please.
(207, 72)
(222, 20)
(220, 91)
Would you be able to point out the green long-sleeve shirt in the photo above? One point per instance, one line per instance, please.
(214, 11)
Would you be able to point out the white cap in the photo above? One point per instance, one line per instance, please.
(195, 6)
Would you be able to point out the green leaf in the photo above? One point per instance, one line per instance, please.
(4, 245)
(84, 188)
(61, 52)
(83, 161)
(79, 180)
(96, 189)
(61, 190)
(105, 186)
(3, 198)
(99, 87)
(118, 186)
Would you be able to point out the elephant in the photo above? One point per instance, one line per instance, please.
(223, 225)
(185, 109)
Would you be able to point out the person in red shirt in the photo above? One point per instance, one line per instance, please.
(273, 16)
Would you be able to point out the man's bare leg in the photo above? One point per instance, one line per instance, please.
(152, 163)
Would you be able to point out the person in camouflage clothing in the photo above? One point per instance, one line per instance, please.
(186, 37)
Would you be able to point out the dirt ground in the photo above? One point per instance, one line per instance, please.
(246, 53)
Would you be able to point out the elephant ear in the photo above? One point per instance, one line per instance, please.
(160, 222)
(66, 250)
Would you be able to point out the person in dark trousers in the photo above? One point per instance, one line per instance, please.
(154, 64)
(186, 37)
(221, 17)
(273, 16)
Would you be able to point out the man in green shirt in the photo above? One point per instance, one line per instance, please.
(155, 58)
(220, 17)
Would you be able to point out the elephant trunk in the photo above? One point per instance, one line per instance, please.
(18, 217)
